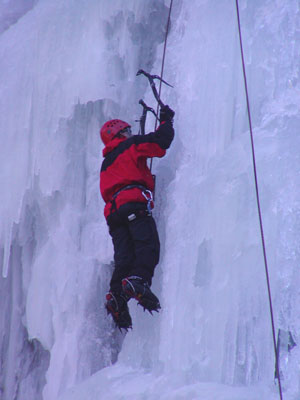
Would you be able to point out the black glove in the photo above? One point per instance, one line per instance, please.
(166, 114)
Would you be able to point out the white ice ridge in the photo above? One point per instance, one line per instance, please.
(66, 67)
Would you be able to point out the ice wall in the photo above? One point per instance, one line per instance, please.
(56, 63)
(63, 76)
(12, 10)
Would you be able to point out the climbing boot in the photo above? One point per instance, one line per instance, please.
(116, 305)
(135, 287)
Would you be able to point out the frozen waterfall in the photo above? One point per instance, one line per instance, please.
(68, 66)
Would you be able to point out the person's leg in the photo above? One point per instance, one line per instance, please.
(116, 299)
(123, 256)
(146, 247)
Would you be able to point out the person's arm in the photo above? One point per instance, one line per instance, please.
(154, 144)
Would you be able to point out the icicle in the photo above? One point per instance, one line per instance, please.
(285, 343)
(6, 255)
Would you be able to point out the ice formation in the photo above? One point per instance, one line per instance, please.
(68, 66)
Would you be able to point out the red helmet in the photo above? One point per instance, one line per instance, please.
(111, 128)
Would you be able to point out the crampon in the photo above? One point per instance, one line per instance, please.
(135, 287)
(116, 306)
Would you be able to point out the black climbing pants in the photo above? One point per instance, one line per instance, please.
(136, 250)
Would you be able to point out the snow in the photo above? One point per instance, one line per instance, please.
(68, 66)
(122, 382)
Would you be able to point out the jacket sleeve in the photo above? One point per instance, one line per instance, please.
(154, 144)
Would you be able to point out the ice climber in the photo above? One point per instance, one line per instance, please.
(126, 185)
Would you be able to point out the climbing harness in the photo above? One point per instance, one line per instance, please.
(127, 187)
(145, 192)
(277, 373)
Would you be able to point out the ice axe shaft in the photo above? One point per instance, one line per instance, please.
(152, 84)
(144, 116)
(147, 108)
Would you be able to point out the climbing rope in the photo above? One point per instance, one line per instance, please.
(162, 67)
(258, 200)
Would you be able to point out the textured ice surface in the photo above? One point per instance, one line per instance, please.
(12, 10)
(121, 382)
(68, 66)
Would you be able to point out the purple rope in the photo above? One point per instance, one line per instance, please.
(258, 202)
(162, 67)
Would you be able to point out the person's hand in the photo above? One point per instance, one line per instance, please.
(166, 114)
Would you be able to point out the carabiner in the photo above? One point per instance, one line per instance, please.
(149, 199)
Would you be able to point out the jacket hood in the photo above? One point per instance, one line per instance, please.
(112, 145)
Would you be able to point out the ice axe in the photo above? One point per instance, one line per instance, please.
(156, 95)
(142, 120)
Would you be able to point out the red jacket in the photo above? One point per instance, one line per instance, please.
(125, 163)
